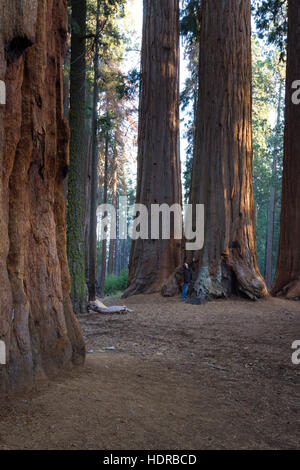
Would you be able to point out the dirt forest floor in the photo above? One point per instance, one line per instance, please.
(215, 376)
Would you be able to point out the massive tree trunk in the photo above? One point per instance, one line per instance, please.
(287, 277)
(152, 261)
(78, 155)
(88, 173)
(222, 166)
(37, 322)
(94, 170)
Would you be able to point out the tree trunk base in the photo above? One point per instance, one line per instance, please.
(233, 276)
(145, 285)
(174, 284)
(291, 291)
(248, 280)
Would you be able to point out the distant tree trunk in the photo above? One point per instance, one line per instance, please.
(112, 242)
(37, 323)
(76, 177)
(122, 255)
(104, 242)
(287, 277)
(117, 253)
(94, 173)
(272, 200)
(152, 261)
(116, 269)
(222, 165)
(88, 199)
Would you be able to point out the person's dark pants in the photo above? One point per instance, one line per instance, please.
(185, 291)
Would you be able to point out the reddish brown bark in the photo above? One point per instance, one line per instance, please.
(222, 167)
(287, 277)
(88, 172)
(37, 322)
(152, 261)
(94, 171)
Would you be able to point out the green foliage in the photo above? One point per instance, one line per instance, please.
(114, 86)
(106, 125)
(112, 41)
(190, 31)
(190, 19)
(272, 22)
(108, 8)
(115, 283)
(132, 83)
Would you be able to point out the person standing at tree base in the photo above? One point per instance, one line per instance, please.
(187, 278)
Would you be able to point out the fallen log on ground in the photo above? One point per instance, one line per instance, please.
(98, 307)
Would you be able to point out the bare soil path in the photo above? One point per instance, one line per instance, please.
(217, 376)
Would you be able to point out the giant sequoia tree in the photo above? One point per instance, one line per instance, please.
(37, 322)
(222, 165)
(287, 277)
(152, 261)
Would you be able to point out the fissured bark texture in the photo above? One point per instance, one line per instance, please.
(222, 166)
(153, 261)
(287, 277)
(37, 322)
